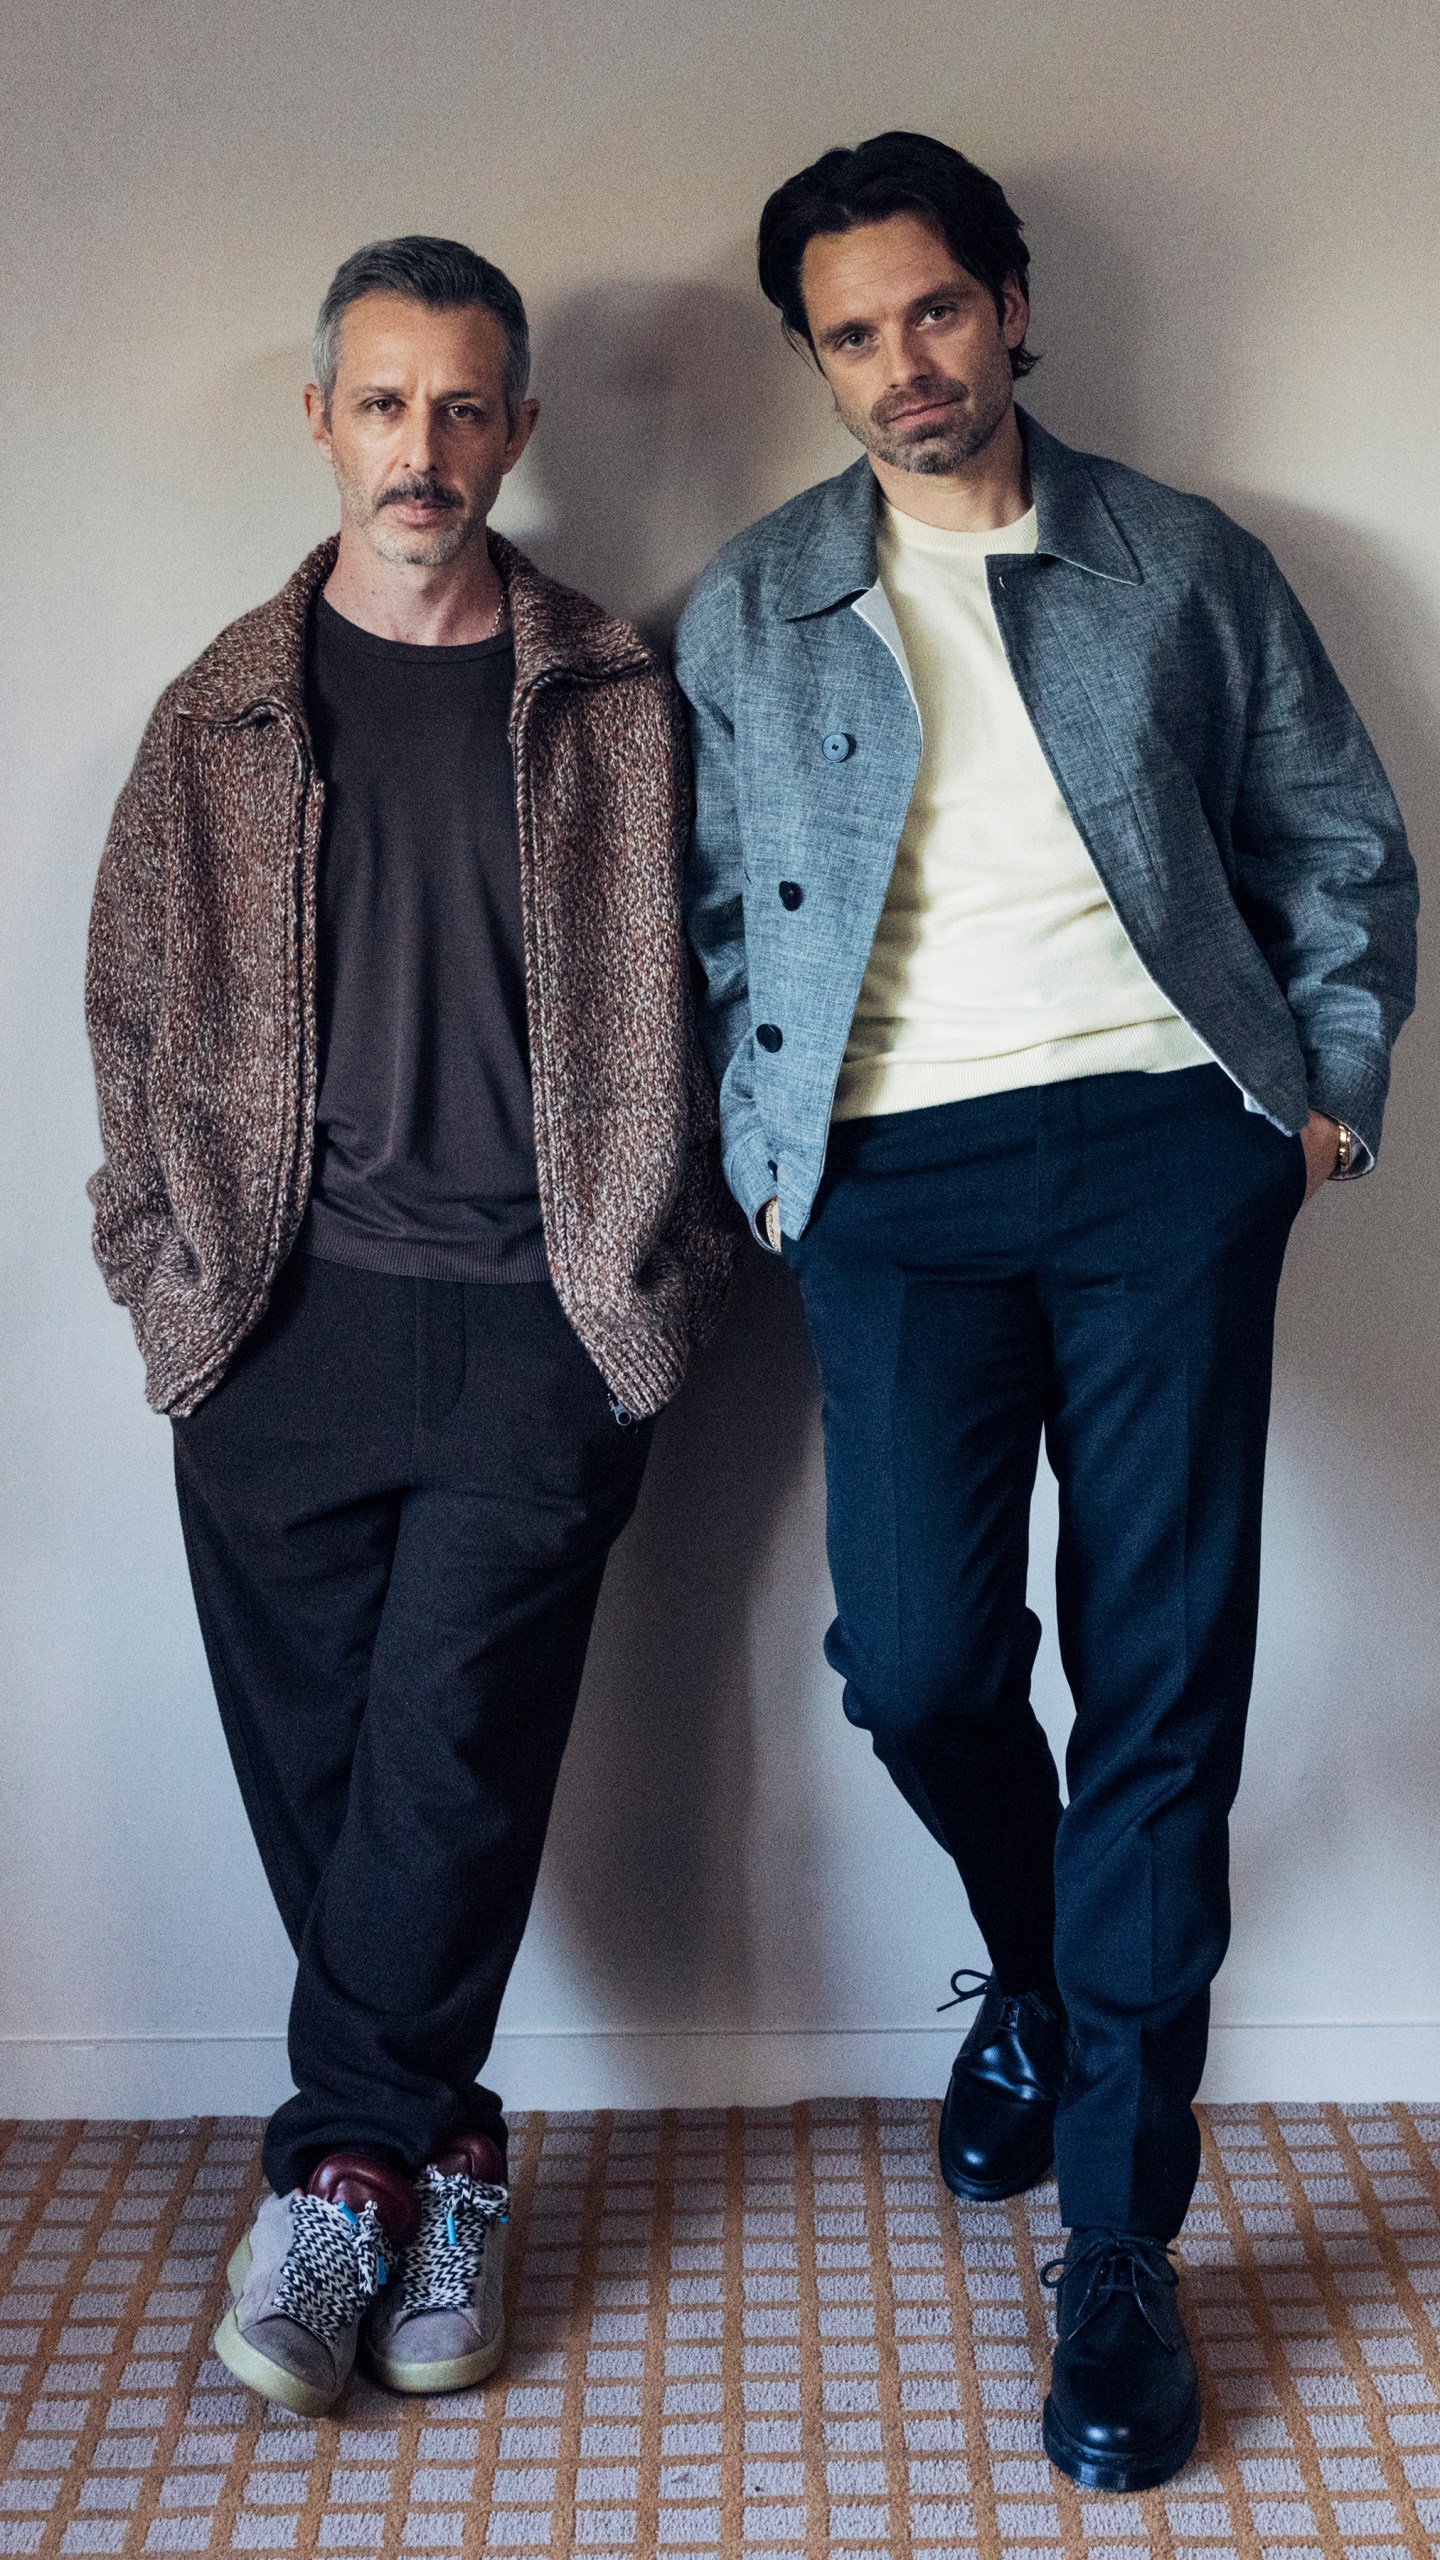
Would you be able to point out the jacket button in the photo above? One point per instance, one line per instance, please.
(837, 746)
(769, 1035)
(791, 894)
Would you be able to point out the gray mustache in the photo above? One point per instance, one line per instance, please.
(433, 492)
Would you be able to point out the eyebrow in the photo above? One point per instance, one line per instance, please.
(392, 391)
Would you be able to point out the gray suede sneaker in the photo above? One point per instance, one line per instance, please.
(440, 2326)
(303, 2279)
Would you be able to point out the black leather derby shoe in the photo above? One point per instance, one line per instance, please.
(997, 2127)
(1124, 2404)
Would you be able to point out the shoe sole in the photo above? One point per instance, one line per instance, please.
(975, 2191)
(1114, 2471)
(259, 2372)
(453, 2373)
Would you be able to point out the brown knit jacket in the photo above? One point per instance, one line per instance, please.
(200, 995)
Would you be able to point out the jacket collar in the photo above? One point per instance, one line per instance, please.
(835, 555)
(259, 662)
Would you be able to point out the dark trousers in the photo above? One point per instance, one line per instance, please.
(1097, 1261)
(397, 1508)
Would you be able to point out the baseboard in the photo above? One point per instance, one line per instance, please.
(247, 2075)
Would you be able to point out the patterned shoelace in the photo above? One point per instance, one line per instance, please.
(334, 2266)
(458, 2213)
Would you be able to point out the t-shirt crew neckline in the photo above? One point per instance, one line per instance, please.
(415, 652)
(943, 543)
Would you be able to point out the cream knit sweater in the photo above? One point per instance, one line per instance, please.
(998, 960)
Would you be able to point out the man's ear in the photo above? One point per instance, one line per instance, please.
(318, 416)
(522, 431)
(1015, 312)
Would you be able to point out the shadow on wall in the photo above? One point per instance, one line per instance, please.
(1355, 1366)
(669, 415)
(1374, 1291)
(1133, 281)
(663, 1807)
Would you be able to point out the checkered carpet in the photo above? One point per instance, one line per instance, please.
(758, 2334)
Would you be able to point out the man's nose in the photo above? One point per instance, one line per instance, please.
(420, 444)
(910, 359)
(906, 360)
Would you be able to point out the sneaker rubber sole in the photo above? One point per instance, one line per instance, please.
(260, 2372)
(453, 2373)
(1119, 2473)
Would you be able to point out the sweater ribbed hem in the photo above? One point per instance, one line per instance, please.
(870, 1086)
(328, 1239)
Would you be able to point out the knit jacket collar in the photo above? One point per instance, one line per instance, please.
(259, 662)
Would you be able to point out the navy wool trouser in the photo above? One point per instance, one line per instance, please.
(397, 1507)
(1096, 1261)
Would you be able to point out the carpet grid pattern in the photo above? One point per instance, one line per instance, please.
(761, 2334)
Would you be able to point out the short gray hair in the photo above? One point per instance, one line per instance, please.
(445, 276)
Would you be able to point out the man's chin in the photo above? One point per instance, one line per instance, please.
(935, 459)
(420, 550)
(932, 454)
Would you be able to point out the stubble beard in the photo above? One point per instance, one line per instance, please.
(421, 550)
(404, 544)
(946, 444)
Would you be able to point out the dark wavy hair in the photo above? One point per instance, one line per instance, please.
(893, 173)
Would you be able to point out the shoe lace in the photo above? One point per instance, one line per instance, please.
(440, 2268)
(1114, 2266)
(979, 1984)
(334, 2265)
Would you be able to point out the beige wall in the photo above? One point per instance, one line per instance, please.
(1234, 220)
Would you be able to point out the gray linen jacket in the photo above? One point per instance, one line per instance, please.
(1219, 776)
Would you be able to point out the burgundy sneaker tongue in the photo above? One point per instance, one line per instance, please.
(477, 2154)
(352, 2178)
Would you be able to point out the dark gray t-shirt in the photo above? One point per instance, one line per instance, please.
(425, 1139)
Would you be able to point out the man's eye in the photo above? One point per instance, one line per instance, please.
(940, 311)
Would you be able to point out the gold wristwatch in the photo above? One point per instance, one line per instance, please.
(770, 1221)
(1345, 1158)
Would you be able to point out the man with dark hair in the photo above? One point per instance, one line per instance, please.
(1057, 922)
(411, 1190)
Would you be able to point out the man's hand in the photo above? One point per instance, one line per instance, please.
(1320, 1139)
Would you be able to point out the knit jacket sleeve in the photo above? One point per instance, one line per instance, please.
(122, 1002)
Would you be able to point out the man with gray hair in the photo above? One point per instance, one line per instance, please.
(411, 1189)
